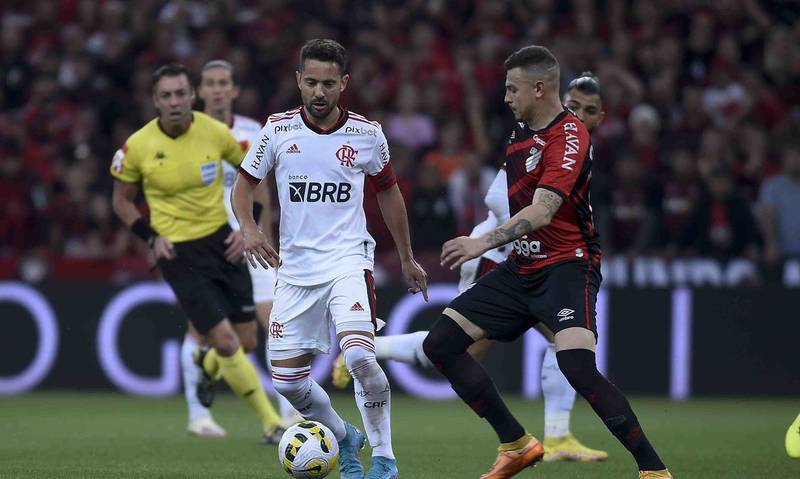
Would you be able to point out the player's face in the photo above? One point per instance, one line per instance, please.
(321, 84)
(522, 90)
(589, 108)
(217, 89)
(173, 97)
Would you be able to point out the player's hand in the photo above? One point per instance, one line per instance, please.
(459, 250)
(235, 250)
(416, 277)
(257, 249)
(163, 250)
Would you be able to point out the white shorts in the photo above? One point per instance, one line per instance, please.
(263, 283)
(302, 316)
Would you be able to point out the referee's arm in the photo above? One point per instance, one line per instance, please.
(122, 200)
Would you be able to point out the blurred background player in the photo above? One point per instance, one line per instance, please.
(551, 277)
(321, 154)
(177, 160)
(583, 98)
(218, 90)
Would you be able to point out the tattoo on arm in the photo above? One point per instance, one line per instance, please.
(549, 199)
(501, 236)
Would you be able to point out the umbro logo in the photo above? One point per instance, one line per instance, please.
(565, 314)
(357, 307)
(293, 149)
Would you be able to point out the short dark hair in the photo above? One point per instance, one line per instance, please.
(586, 83)
(169, 70)
(534, 57)
(324, 50)
(224, 64)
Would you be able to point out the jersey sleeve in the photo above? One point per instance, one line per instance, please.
(260, 158)
(233, 151)
(126, 166)
(497, 197)
(379, 167)
(563, 159)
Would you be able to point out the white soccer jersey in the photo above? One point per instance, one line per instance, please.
(496, 200)
(320, 178)
(244, 129)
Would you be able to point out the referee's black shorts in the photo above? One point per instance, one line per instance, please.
(506, 304)
(208, 287)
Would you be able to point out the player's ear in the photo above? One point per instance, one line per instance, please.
(345, 79)
(235, 92)
(297, 77)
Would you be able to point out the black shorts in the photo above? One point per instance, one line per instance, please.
(209, 288)
(506, 304)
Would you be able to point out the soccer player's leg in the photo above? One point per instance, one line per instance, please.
(263, 296)
(405, 348)
(298, 330)
(569, 309)
(352, 308)
(201, 422)
(492, 308)
(559, 398)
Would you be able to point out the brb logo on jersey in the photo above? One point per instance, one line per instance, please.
(313, 192)
(346, 155)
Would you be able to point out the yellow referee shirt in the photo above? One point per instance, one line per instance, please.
(181, 177)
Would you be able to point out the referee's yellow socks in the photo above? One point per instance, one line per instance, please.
(241, 376)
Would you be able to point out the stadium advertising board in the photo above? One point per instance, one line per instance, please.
(670, 341)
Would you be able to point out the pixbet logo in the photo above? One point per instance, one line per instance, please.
(313, 192)
(360, 131)
(346, 155)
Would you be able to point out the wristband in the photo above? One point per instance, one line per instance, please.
(142, 229)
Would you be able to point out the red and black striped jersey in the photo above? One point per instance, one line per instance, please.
(557, 158)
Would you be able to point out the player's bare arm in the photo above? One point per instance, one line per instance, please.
(123, 202)
(393, 209)
(537, 215)
(257, 249)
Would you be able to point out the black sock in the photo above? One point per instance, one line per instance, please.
(446, 346)
(578, 365)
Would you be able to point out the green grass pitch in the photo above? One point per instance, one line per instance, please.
(105, 435)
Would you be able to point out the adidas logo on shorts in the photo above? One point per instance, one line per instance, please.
(356, 307)
(293, 149)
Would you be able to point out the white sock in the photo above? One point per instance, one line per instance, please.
(559, 397)
(191, 376)
(372, 392)
(288, 412)
(406, 348)
(307, 397)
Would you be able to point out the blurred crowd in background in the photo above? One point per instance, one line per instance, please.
(699, 152)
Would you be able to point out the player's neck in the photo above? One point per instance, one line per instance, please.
(327, 122)
(174, 130)
(223, 115)
(545, 115)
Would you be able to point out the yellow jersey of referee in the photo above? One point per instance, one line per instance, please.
(181, 177)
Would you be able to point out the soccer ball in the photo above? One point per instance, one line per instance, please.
(308, 450)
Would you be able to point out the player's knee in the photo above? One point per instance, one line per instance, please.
(445, 340)
(359, 354)
(578, 366)
(224, 339)
(291, 390)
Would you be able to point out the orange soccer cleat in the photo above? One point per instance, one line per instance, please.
(509, 463)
